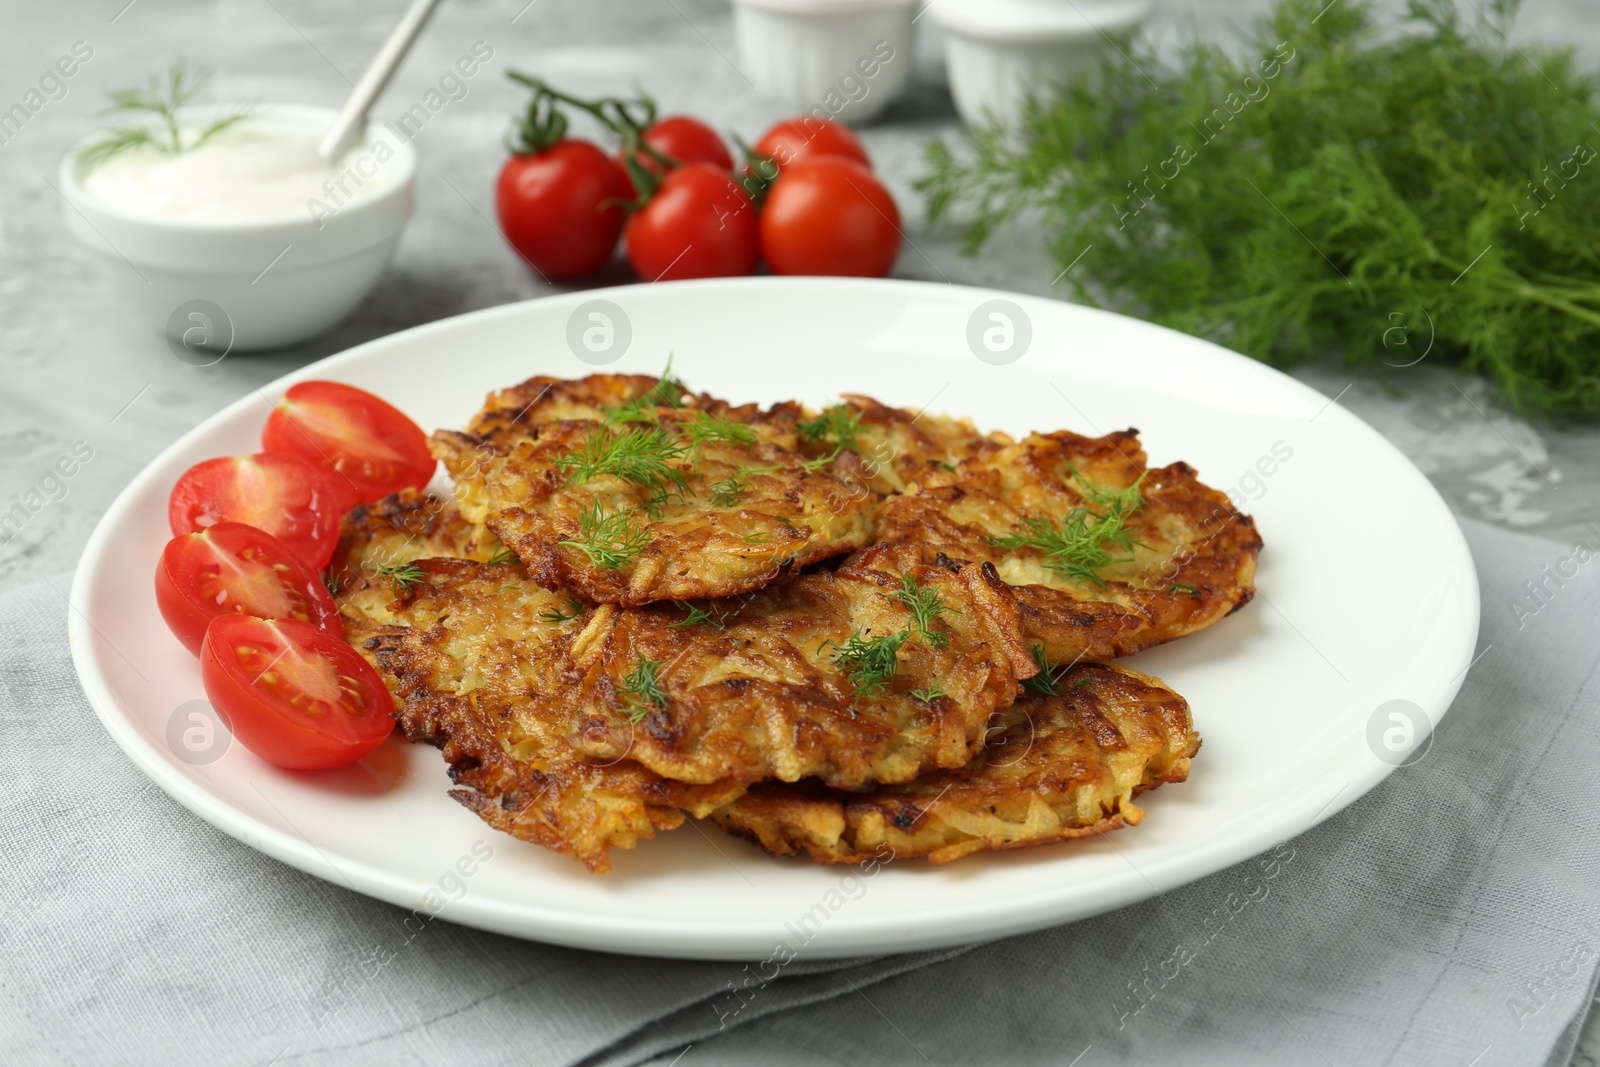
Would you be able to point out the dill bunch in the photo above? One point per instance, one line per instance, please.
(1380, 191)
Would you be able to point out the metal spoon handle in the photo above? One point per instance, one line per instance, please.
(373, 79)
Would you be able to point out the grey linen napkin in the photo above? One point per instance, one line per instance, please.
(1450, 914)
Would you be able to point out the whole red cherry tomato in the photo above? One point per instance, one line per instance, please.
(685, 139)
(699, 224)
(808, 136)
(562, 208)
(829, 215)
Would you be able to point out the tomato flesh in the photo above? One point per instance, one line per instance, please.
(293, 694)
(829, 215)
(233, 569)
(280, 494)
(562, 209)
(368, 447)
(699, 224)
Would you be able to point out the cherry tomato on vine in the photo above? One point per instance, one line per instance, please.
(234, 569)
(283, 495)
(685, 139)
(295, 695)
(699, 224)
(563, 207)
(829, 215)
(368, 447)
(808, 136)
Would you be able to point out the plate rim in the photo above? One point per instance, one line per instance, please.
(845, 935)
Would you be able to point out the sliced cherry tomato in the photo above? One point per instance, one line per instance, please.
(808, 136)
(563, 208)
(368, 446)
(685, 139)
(829, 215)
(699, 224)
(295, 695)
(283, 495)
(234, 569)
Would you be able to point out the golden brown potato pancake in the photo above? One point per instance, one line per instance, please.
(826, 676)
(898, 448)
(509, 415)
(1055, 768)
(680, 503)
(482, 666)
(1105, 556)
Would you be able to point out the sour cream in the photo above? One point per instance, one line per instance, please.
(257, 171)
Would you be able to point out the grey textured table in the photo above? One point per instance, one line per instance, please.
(74, 368)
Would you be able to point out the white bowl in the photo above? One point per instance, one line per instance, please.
(221, 286)
(1002, 52)
(840, 59)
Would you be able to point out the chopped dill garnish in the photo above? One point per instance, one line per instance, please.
(502, 555)
(573, 609)
(503, 588)
(726, 493)
(403, 575)
(666, 393)
(925, 605)
(1076, 547)
(1177, 586)
(641, 690)
(702, 427)
(757, 538)
(838, 426)
(1043, 683)
(869, 662)
(947, 466)
(611, 541)
(694, 616)
(1083, 683)
(164, 98)
(333, 583)
(642, 457)
(930, 694)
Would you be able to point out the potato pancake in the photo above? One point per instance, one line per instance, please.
(1105, 556)
(482, 664)
(852, 680)
(897, 448)
(680, 504)
(1055, 767)
(511, 414)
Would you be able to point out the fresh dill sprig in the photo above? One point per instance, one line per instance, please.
(641, 690)
(164, 98)
(838, 425)
(403, 575)
(1076, 547)
(573, 609)
(702, 428)
(611, 541)
(641, 456)
(667, 392)
(694, 616)
(1444, 207)
(502, 555)
(1043, 683)
(930, 694)
(869, 662)
(925, 605)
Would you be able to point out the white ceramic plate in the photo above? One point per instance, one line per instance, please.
(1286, 692)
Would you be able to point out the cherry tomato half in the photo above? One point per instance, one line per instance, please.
(283, 495)
(699, 224)
(563, 208)
(367, 446)
(234, 569)
(685, 139)
(808, 136)
(295, 695)
(829, 215)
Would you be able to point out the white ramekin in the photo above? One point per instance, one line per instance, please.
(1001, 52)
(841, 59)
(277, 283)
